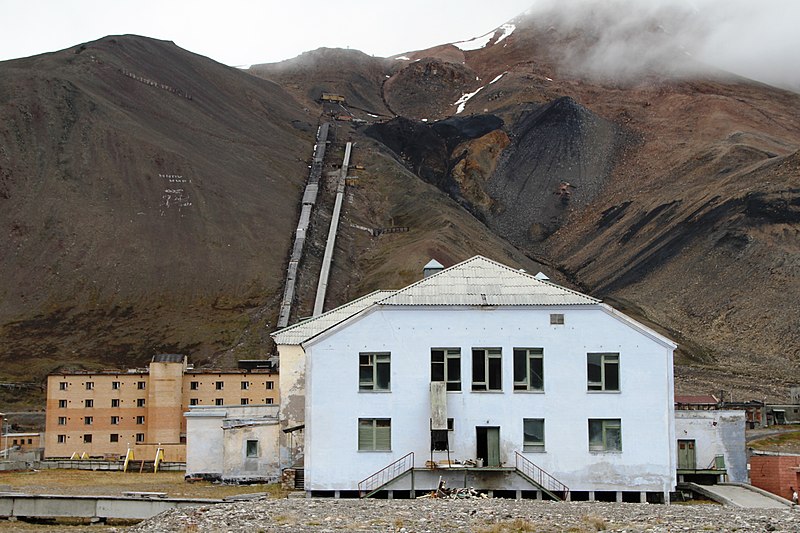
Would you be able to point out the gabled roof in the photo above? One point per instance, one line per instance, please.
(302, 331)
(481, 281)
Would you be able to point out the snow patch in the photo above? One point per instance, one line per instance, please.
(462, 102)
(479, 42)
(508, 29)
(549, 79)
(498, 77)
(403, 58)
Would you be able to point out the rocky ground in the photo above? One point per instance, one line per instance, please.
(474, 515)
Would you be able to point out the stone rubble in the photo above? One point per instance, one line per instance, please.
(473, 515)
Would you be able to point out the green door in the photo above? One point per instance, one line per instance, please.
(686, 456)
(492, 446)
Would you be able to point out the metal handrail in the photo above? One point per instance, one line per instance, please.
(539, 476)
(386, 474)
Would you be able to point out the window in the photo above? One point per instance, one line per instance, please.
(219, 401)
(529, 369)
(88, 403)
(245, 401)
(115, 402)
(603, 371)
(533, 434)
(269, 401)
(140, 419)
(194, 401)
(30, 441)
(219, 385)
(88, 420)
(115, 385)
(252, 448)
(374, 371)
(140, 385)
(90, 385)
(140, 402)
(245, 385)
(114, 420)
(87, 438)
(194, 385)
(446, 366)
(374, 434)
(62, 420)
(270, 385)
(62, 385)
(605, 435)
(557, 319)
(62, 404)
(113, 437)
(140, 437)
(487, 370)
(61, 439)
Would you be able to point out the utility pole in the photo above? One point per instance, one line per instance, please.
(4, 424)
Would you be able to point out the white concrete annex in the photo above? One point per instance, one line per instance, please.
(524, 371)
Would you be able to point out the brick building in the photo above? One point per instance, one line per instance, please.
(104, 413)
(775, 473)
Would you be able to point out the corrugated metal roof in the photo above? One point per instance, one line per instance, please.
(481, 281)
(302, 331)
(168, 358)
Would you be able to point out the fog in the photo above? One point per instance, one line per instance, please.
(758, 39)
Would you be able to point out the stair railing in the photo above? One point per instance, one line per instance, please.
(539, 476)
(386, 474)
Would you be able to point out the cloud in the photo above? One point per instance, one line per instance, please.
(623, 39)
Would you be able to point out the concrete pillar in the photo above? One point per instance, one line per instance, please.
(666, 497)
(538, 495)
(390, 495)
(619, 496)
(642, 497)
(490, 493)
(336, 494)
(591, 495)
(519, 494)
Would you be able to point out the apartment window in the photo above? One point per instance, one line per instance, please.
(62, 385)
(245, 401)
(114, 437)
(374, 434)
(88, 420)
(533, 434)
(140, 385)
(269, 401)
(90, 385)
(245, 385)
(194, 401)
(115, 402)
(61, 439)
(140, 402)
(88, 403)
(605, 435)
(114, 420)
(115, 385)
(270, 385)
(374, 371)
(252, 448)
(487, 369)
(220, 385)
(446, 366)
(529, 369)
(557, 319)
(603, 371)
(87, 438)
(140, 437)
(140, 419)
(218, 401)
(62, 404)
(62, 420)
(194, 385)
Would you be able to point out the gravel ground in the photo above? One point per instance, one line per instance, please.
(475, 515)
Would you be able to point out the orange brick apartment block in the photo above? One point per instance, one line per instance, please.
(104, 413)
(776, 473)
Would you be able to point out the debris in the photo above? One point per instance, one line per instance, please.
(463, 493)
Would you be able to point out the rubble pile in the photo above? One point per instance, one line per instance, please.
(454, 494)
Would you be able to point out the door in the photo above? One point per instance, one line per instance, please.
(488, 445)
(686, 455)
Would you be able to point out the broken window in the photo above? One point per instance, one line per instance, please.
(374, 434)
(140, 385)
(62, 385)
(446, 366)
(62, 420)
(140, 437)
(115, 385)
(219, 385)
(270, 385)
(87, 438)
(62, 439)
(529, 369)
(374, 371)
(140, 402)
(487, 370)
(114, 437)
(252, 448)
(245, 385)
(114, 420)
(194, 385)
(90, 385)
(114, 402)
(88, 403)
(218, 401)
(605, 435)
(245, 401)
(603, 371)
(140, 419)
(557, 319)
(533, 434)
(194, 401)
(62, 403)
(88, 420)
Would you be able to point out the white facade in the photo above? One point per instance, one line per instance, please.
(642, 404)
(714, 433)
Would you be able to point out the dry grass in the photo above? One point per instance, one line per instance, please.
(785, 442)
(115, 483)
(518, 525)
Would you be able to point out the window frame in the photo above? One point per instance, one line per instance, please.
(140, 420)
(528, 354)
(114, 420)
(87, 438)
(115, 385)
(63, 385)
(140, 437)
(557, 319)
(115, 402)
(62, 420)
(88, 420)
(140, 402)
(89, 385)
(533, 446)
(194, 385)
(219, 385)
(604, 364)
(194, 401)
(61, 439)
(113, 437)
(448, 355)
(62, 404)
(251, 448)
(371, 424)
(88, 403)
(270, 385)
(141, 385)
(606, 426)
(375, 359)
(488, 355)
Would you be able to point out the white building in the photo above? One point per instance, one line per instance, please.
(711, 446)
(501, 368)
